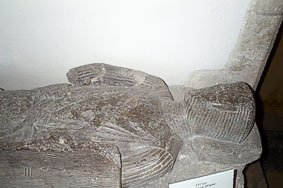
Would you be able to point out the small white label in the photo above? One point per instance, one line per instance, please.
(218, 180)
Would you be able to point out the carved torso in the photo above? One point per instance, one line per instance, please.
(111, 107)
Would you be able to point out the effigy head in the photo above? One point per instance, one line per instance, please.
(224, 112)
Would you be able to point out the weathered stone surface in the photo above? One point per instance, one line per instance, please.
(195, 161)
(57, 161)
(248, 58)
(223, 112)
(130, 118)
(269, 7)
(126, 121)
(100, 74)
(213, 151)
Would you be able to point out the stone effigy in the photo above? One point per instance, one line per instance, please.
(117, 127)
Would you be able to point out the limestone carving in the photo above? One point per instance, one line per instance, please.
(117, 127)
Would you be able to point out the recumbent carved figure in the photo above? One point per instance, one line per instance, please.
(126, 117)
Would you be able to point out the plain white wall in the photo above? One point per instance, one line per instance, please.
(40, 40)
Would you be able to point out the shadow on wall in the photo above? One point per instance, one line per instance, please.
(271, 91)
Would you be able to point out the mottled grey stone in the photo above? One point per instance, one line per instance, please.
(58, 162)
(248, 58)
(223, 112)
(117, 127)
(251, 51)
